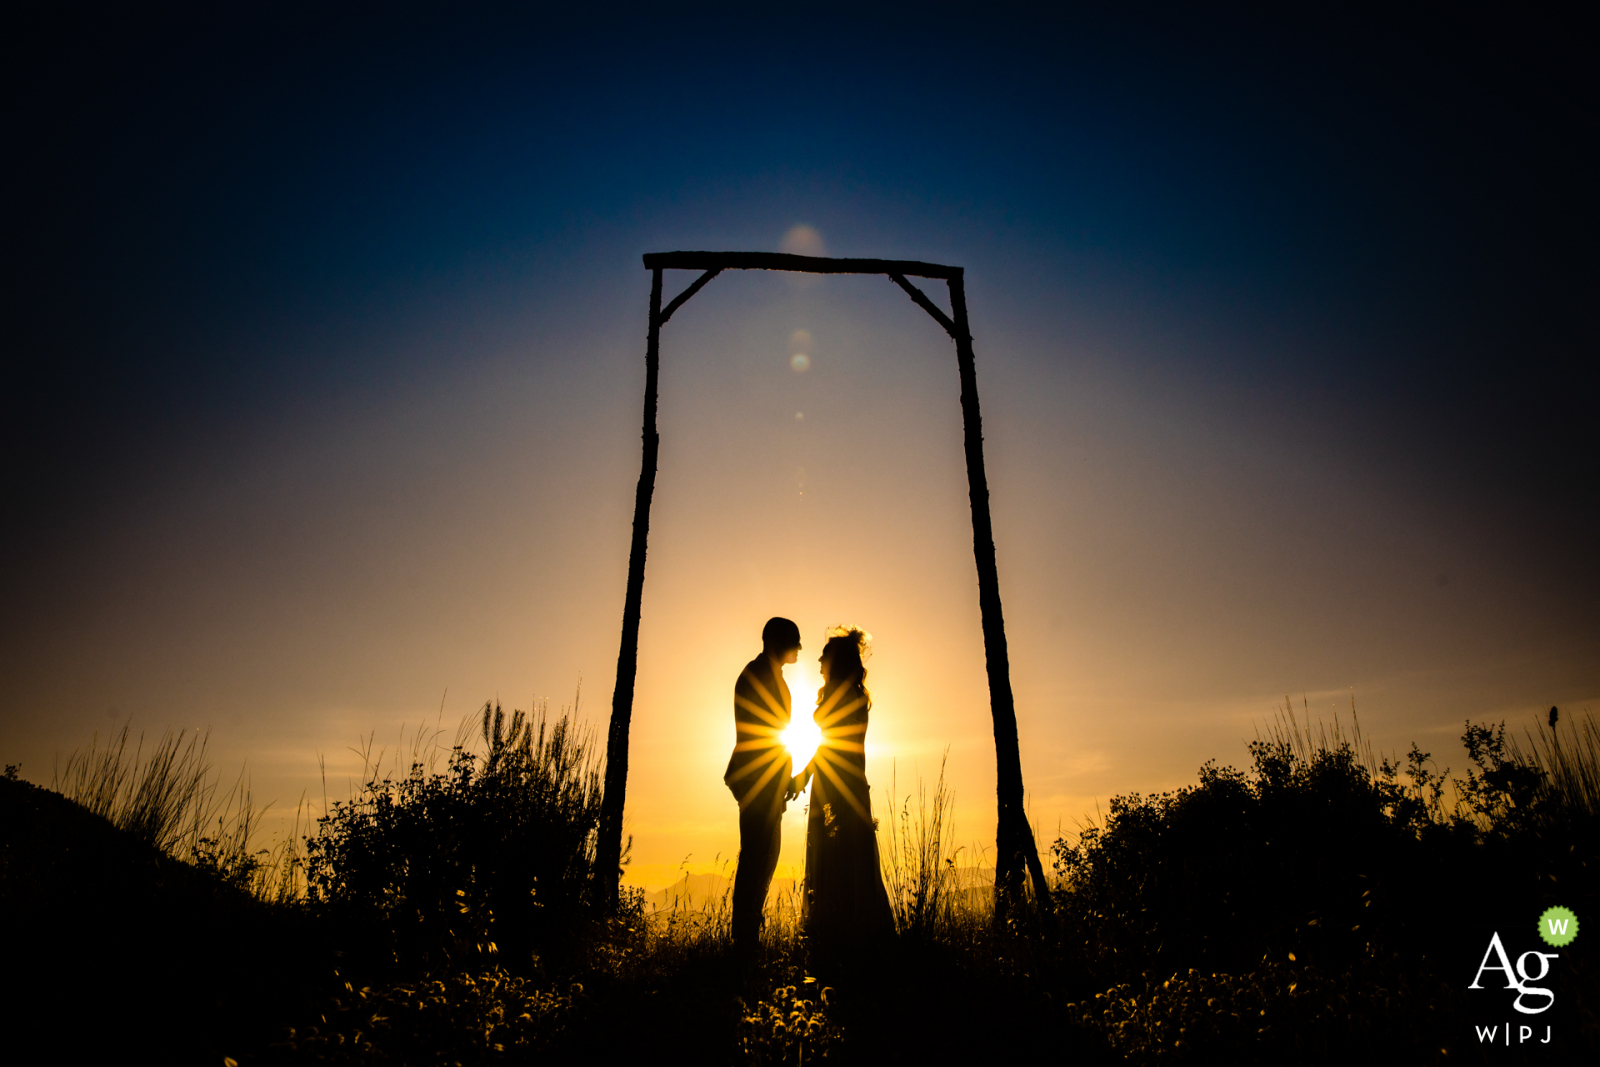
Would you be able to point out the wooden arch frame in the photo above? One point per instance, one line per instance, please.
(1014, 838)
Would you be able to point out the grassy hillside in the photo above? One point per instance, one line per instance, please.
(1318, 906)
(115, 945)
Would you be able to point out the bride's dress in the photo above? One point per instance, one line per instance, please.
(845, 903)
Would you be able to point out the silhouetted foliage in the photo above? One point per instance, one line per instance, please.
(1261, 916)
(1280, 907)
(1506, 796)
(792, 1027)
(1215, 875)
(491, 857)
(459, 1018)
(168, 797)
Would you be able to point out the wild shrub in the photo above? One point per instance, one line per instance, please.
(1184, 906)
(462, 1018)
(490, 858)
(1213, 876)
(790, 1028)
(1505, 796)
(1278, 1012)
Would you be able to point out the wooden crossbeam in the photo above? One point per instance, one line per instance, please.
(803, 264)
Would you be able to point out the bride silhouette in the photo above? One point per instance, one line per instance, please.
(845, 907)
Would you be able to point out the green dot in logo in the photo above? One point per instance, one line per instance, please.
(1558, 926)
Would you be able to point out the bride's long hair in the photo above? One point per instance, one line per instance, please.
(844, 658)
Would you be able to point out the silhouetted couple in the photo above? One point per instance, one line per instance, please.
(845, 907)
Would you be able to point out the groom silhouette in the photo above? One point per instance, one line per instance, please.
(759, 773)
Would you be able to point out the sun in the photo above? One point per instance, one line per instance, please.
(802, 737)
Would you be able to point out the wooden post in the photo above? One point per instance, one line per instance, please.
(1013, 837)
(608, 854)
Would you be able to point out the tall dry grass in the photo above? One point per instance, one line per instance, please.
(918, 863)
(1569, 760)
(171, 798)
(1306, 742)
(166, 799)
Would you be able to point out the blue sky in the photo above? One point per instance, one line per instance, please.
(327, 322)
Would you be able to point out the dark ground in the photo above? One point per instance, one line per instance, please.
(116, 949)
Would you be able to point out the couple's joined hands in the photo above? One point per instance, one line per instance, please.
(796, 786)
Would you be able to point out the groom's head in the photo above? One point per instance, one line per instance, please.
(780, 638)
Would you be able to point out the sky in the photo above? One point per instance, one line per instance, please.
(325, 333)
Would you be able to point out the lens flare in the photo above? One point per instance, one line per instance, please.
(803, 240)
